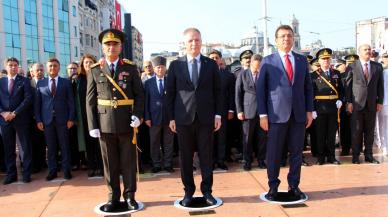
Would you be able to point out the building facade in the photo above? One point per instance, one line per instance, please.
(137, 47)
(374, 32)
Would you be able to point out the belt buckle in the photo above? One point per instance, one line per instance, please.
(114, 103)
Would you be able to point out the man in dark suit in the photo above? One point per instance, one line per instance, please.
(114, 107)
(37, 136)
(285, 102)
(155, 117)
(254, 138)
(15, 101)
(193, 100)
(228, 82)
(364, 95)
(54, 114)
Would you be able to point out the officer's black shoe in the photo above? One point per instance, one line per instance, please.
(51, 176)
(111, 206)
(372, 160)
(67, 175)
(247, 167)
(156, 169)
(9, 180)
(210, 201)
(321, 161)
(296, 192)
(91, 173)
(222, 166)
(132, 204)
(356, 160)
(261, 164)
(272, 193)
(169, 169)
(333, 161)
(187, 199)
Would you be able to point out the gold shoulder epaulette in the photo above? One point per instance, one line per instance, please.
(94, 65)
(127, 61)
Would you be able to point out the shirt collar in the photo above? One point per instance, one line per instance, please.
(281, 53)
(363, 62)
(14, 77)
(114, 62)
(56, 78)
(190, 58)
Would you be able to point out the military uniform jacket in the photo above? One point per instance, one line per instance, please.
(107, 118)
(321, 88)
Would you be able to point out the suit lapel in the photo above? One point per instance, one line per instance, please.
(202, 69)
(361, 71)
(184, 66)
(279, 62)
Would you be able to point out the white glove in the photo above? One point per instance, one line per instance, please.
(338, 103)
(314, 115)
(95, 133)
(135, 121)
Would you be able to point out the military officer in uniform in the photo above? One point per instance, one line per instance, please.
(345, 134)
(328, 93)
(115, 106)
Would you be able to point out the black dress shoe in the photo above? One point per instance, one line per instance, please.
(169, 169)
(91, 173)
(262, 165)
(51, 176)
(156, 169)
(9, 180)
(272, 193)
(355, 160)
(222, 166)
(111, 206)
(372, 160)
(98, 172)
(247, 167)
(333, 161)
(67, 175)
(305, 163)
(296, 192)
(210, 201)
(26, 179)
(186, 201)
(132, 204)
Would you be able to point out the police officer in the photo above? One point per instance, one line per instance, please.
(345, 134)
(115, 106)
(328, 92)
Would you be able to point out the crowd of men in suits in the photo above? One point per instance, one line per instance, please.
(346, 98)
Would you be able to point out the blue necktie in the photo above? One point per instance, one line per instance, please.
(161, 88)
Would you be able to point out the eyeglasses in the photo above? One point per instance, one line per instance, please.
(72, 68)
(147, 66)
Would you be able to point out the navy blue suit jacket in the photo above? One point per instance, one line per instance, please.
(155, 106)
(184, 101)
(19, 102)
(62, 104)
(277, 97)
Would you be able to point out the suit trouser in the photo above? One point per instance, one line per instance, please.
(363, 127)
(198, 137)
(345, 130)
(220, 142)
(54, 134)
(291, 133)
(253, 136)
(9, 139)
(38, 144)
(157, 134)
(119, 157)
(326, 128)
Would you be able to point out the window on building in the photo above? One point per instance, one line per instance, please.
(81, 39)
(74, 11)
(87, 38)
(75, 51)
(75, 31)
(91, 41)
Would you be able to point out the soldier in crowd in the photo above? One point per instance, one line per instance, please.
(15, 101)
(227, 111)
(114, 107)
(245, 60)
(345, 132)
(328, 97)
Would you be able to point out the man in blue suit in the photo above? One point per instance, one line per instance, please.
(15, 101)
(156, 117)
(54, 114)
(285, 103)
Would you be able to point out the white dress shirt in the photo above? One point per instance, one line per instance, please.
(190, 63)
(9, 80)
(56, 82)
